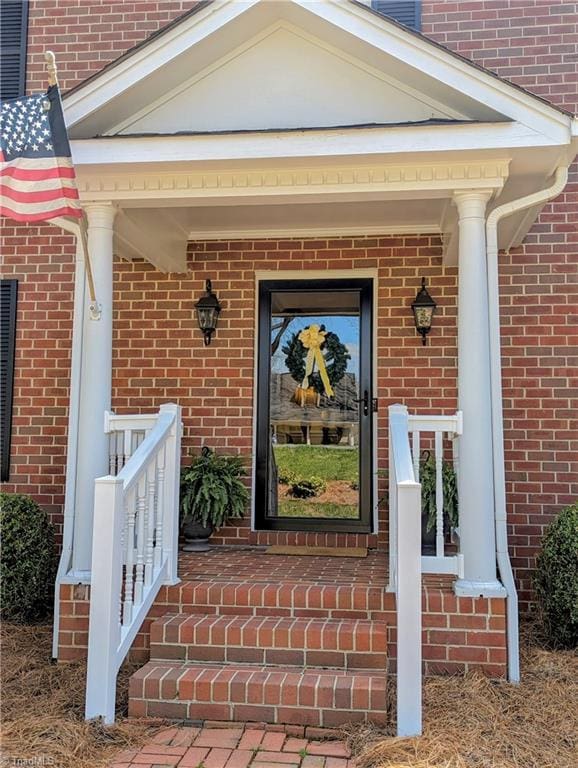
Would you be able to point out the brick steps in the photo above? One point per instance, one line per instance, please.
(251, 637)
(316, 697)
(277, 598)
(311, 642)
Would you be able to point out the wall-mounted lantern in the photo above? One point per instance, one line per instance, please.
(208, 309)
(423, 309)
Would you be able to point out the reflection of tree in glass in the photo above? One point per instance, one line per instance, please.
(279, 329)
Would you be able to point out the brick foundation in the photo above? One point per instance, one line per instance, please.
(459, 633)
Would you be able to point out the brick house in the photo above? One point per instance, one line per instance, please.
(315, 162)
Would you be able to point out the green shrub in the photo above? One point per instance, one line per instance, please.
(212, 489)
(306, 488)
(286, 477)
(556, 579)
(27, 560)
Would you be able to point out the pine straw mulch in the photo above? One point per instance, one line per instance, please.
(473, 722)
(470, 722)
(43, 707)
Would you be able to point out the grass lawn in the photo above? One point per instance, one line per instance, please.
(326, 462)
(305, 508)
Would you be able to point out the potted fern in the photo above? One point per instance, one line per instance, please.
(212, 492)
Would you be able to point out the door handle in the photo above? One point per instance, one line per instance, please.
(365, 401)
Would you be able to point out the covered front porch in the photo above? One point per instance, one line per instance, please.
(367, 160)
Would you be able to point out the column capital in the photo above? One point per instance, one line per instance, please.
(471, 204)
(100, 215)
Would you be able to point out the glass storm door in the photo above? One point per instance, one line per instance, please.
(314, 405)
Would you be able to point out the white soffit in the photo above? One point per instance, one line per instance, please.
(261, 65)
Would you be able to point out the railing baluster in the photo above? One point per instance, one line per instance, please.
(141, 515)
(129, 569)
(160, 507)
(150, 526)
(456, 454)
(439, 494)
(415, 440)
(112, 453)
(127, 446)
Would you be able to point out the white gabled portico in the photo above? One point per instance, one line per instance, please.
(205, 132)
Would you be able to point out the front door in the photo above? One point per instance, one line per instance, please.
(314, 405)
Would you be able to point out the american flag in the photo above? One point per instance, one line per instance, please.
(37, 180)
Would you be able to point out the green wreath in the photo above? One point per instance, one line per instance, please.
(335, 354)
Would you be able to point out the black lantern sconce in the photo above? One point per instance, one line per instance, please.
(208, 309)
(423, 309)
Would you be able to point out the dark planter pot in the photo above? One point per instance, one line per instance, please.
(196, 536)
(428, 538)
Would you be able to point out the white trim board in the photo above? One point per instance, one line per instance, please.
(298, 232)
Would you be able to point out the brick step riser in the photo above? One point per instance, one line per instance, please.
(269, 656)
(289, 600)
(299, 642)
(197, 692)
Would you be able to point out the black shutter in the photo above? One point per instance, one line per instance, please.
(13, 40)
(8, 298)
(407, 12)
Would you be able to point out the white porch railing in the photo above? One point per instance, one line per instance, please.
(405, 571)
(406, 562)
(135, 542)
(445, 429)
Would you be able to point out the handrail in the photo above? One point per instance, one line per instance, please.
(132, 470)
(134, 550)
(114, 422)
(405, 517)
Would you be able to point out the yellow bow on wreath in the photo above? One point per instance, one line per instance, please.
(312, 338)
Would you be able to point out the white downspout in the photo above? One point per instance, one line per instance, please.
(502, 554)
(72, 437)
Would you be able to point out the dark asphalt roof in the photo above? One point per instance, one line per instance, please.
(305, 129)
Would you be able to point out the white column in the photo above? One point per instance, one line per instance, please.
(475, 480)
(95, 383)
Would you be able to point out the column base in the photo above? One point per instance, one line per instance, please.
(465, 588)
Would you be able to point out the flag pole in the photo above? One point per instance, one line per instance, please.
(94, 308)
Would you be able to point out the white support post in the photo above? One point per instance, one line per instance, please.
(170, 503)
(475, 479)
(95, 384)
(104, 626)
(408, 602)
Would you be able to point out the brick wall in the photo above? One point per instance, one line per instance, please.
(532, 42)
(86, 35)
(159, 354)
(42, 260)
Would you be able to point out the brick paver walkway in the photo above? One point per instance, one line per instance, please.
(183, 747)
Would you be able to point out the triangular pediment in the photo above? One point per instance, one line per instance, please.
(285, 79)
(257, 65)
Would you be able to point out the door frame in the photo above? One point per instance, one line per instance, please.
(266, 283)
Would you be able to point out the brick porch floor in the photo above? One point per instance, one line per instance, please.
(251, 564)
(235, 747)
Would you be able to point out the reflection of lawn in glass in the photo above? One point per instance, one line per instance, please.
(327, 463)
(338, 467)
(303, 508)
